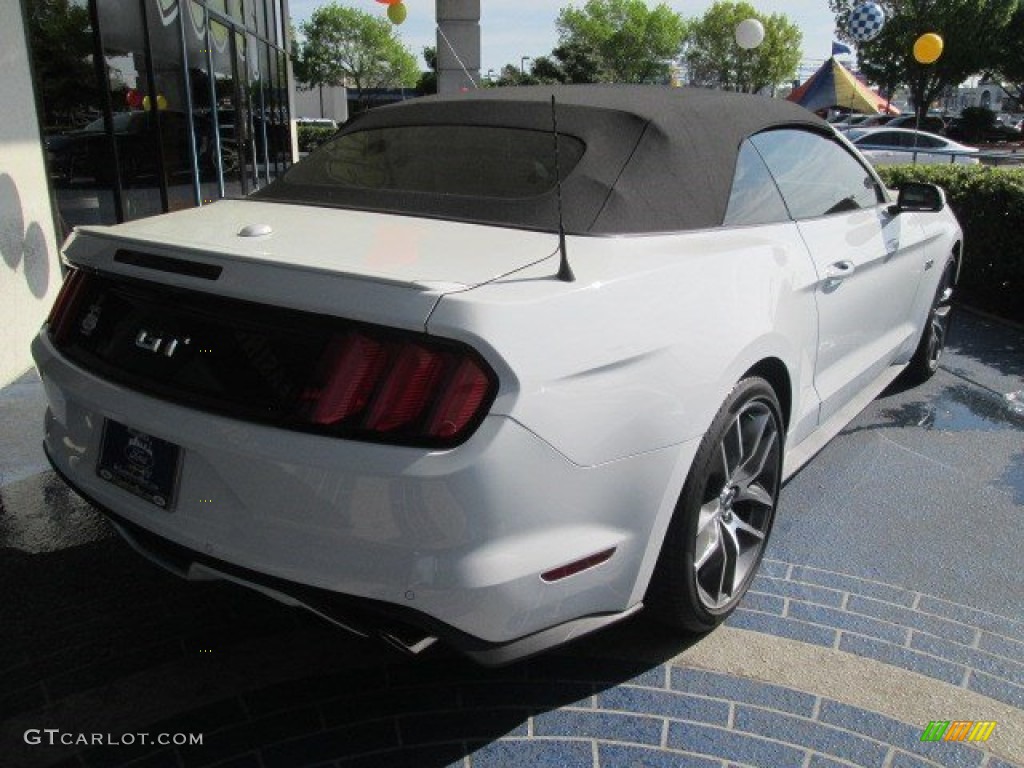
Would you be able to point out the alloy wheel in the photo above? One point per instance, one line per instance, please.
(739, 503)
(938, 320)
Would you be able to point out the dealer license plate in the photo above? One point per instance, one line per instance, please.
(139, 463)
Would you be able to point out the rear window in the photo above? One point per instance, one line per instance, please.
(467, 160)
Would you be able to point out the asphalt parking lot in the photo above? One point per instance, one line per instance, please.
(892, 596)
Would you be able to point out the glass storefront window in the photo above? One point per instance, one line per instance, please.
(75, 141)
(275, 129)
(171, 114)
(282, 23)
(188, 102)
(256, 17)
(135, 129)
(245, 107)
(202, 91)
(260, 68)
(229, 128)
(286, 118)
(235, 10)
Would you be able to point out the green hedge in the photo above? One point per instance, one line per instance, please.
(989, 202)
(312, 136)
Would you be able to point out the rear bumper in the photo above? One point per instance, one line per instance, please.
(452, 542)
(406, 629)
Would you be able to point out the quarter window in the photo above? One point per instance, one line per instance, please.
(816, 175)
(754, 198)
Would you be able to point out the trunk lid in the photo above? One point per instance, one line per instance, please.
(183, 307)
(319, 259)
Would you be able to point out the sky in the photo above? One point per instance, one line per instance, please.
(511, 29)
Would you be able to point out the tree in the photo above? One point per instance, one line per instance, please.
(715, 60)
(547, 69)
(1009, 63)
(511, 75)
(579, 63)
(970, 29)
(620, 41)
(345, 46)
(568, 63)
(428, 80)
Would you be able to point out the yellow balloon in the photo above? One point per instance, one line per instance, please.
(928, 48)
(397, 13)
(161, 102)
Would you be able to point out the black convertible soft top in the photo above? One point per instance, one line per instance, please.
(654, 158)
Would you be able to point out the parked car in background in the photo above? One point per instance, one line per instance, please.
(873, 121)
(1015, 121)
(848, 121)
(84, 155)
(462, 375)
(893, 146)
(974, 131)
(931, 123)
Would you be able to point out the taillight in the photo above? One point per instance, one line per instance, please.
(291, 369)
(62, 315)
(408, 390)
(398, 389)
(468, 388)
(353, 365)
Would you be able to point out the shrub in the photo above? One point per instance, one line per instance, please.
(989, 202)
(978, 117)
(312, 136)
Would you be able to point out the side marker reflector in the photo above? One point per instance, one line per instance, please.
(565, 571)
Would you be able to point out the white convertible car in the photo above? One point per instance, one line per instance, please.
(500, 368)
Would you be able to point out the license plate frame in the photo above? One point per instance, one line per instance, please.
(140, 463)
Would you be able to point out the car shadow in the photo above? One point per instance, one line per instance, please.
(98, 641)
(992, 344)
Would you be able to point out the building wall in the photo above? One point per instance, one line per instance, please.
(30, 269)
(334, 104)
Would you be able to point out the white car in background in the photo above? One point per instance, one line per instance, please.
(894, 146)
(462, 375)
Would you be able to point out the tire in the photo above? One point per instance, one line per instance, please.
(925, 362)
(720, 527)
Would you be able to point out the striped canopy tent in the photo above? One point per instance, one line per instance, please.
(833, 85)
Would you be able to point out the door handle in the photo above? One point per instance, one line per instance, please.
(839, 271)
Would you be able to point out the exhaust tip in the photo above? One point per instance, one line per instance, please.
(411, 646)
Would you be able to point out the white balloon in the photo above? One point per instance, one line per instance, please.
(749, 33)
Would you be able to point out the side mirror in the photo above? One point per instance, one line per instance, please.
(916, 196)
